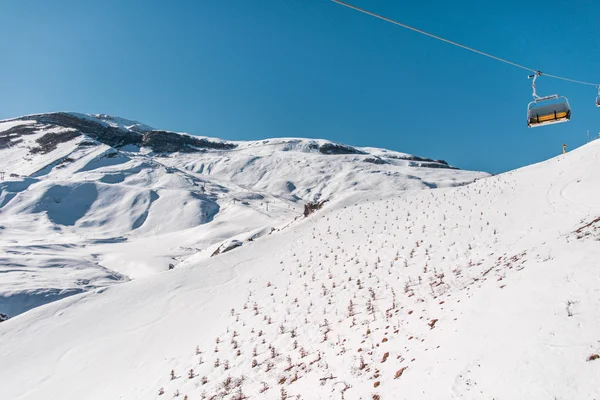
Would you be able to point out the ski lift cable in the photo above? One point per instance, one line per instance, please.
(535, 71)
(572, 80)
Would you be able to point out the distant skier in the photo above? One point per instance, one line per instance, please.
(564, 148)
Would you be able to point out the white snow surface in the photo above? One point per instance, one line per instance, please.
(83, 215)
(484, 291)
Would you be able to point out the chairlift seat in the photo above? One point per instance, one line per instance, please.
(539, 114)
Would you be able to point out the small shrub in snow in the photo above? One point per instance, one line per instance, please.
(295, 377)
(362, 365)
(351, 311)
(264, 387)
(239, 395)
(399, 373)
(570, 305)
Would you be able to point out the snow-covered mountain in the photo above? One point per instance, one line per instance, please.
(92, 200)
(484, 291)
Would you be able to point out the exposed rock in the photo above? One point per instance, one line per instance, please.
(106, 134)
(227, 246)
(171, 142)
(335, 148)
(375, 160)
(435, 165)
(310, 208)
(421, 161)
(13, 135)
(49, 141)
(157, 141)
(232, 245)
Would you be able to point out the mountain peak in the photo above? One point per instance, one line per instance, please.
(122, 133)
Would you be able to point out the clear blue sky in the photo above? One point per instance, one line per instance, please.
(251, 69)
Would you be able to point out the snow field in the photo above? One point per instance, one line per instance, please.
(78, 214)
(483, 291)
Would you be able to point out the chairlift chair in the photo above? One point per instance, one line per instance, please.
(547, 110)
(598, 98)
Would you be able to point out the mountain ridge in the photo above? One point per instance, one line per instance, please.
(99, 127)
(84, 192)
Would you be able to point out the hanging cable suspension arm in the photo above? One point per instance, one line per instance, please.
(391, 21)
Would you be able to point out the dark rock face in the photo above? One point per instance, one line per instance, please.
(109, 135)
(310, 208)
(422, 162)
(13, 135)
(224, 249)
(49, 141)
(335, 148)
(375, 160)
(158, 141)
(234, 244)
(436, 165)
(3, 317)
(171, 142)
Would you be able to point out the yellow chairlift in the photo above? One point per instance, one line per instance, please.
(547, 110)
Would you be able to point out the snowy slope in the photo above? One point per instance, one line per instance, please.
(93, 200)
(485, 291)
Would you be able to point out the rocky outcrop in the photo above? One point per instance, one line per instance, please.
(157, 141)
(171, 142)
(51, 140)
(336, 148)
(421, 161)
(375, 160)
(310, 208)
